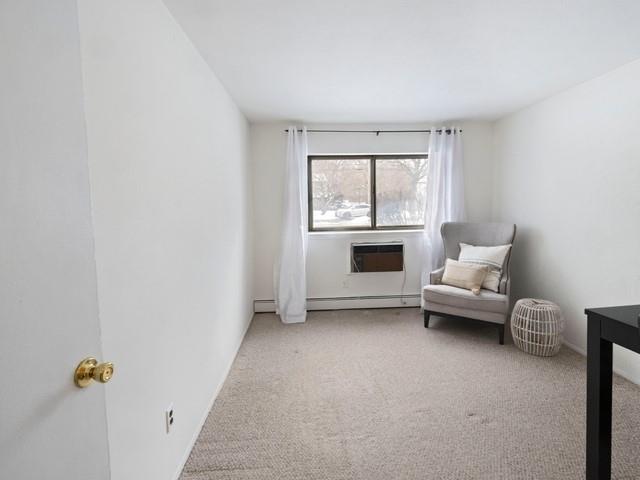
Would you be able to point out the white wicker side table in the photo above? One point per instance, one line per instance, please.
(537, 326)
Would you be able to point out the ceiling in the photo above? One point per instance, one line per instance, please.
(405, 60)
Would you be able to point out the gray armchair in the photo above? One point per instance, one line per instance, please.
(448, 301)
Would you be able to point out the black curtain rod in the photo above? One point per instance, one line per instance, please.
(377, 132)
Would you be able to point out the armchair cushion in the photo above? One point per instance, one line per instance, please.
(493, 257)
(486, 301)
(464, 275)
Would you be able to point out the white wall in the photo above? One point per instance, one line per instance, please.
(171, 205)
(568, 173)
(328, 262)
(49, 428)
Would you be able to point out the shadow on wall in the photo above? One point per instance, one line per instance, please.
(538, 271)
(523, 266)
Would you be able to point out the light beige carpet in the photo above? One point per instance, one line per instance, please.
(372, 395)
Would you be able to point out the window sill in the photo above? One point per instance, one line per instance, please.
(340, 233)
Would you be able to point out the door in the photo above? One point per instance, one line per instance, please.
(49, 428)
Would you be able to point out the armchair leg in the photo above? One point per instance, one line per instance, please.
(501, 334)
(426, 319)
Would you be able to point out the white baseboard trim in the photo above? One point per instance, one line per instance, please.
(346, 303)
(194, 439)
(575, 348)
(617, 370)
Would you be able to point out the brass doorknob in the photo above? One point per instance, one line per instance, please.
(89, 369)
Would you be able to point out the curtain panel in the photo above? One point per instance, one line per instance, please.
(290, 283)
(445, 194)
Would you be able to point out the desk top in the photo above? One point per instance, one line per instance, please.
(624, 314)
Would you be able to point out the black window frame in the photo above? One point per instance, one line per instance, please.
(372, 193)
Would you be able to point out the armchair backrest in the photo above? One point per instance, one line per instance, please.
(479, 234)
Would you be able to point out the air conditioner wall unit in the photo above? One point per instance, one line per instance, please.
(377, 257)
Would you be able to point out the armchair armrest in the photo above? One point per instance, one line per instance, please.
(505, 285)
(435, 277)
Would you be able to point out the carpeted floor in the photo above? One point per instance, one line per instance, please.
(372, 395)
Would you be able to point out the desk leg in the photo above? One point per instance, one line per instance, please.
(599, 368)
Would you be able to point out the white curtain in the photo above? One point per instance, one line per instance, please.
(445, 194)
(290, 285)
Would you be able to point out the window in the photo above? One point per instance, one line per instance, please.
(366, 192)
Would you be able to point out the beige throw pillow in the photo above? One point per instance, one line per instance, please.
(492, 257)
(464, 275)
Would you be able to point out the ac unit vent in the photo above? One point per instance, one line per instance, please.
(377, 257)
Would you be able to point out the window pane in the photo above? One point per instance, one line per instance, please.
(401, 189)
(341, 193)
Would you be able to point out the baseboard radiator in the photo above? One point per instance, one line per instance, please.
(340, 303)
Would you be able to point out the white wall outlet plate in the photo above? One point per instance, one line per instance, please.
(169, 417)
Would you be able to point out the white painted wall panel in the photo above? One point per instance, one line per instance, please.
(568, 173)
(168, 153)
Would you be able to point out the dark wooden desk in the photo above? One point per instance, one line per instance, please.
(605, 326)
